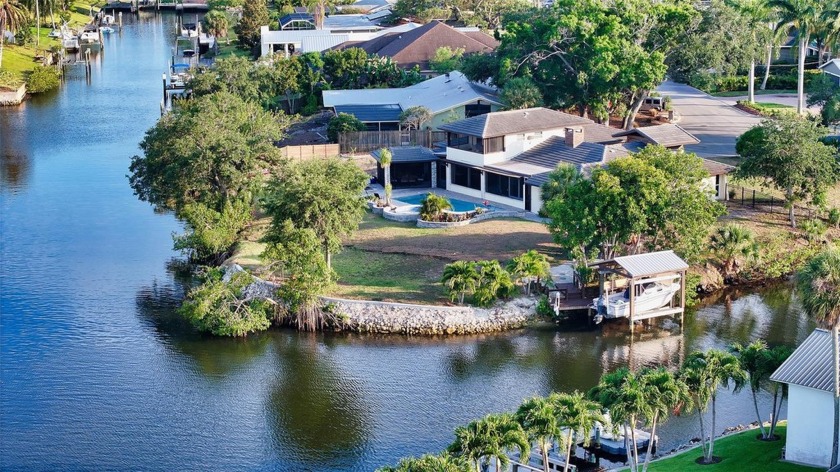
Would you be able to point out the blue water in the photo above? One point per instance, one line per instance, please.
(457, 205)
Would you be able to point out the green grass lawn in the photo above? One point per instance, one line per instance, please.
(388, 277)
(744, 93)
(741, 452)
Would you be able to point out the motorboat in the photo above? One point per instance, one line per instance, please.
(602, 438)
(189, 52)
(55, 34)
(70, 44)
(89, 37)
(106, 30)
(652, 296)
(189, 30)
(108, 19)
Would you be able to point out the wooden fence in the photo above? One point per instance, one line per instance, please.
(310, 151)
(367, 141)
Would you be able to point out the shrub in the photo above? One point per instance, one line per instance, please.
(432, 206)
(43, 79)
(813, 230)
(834, 217)
(544, 307)
(343, 123)
(311, 106)
(494, 282)
(220, 307)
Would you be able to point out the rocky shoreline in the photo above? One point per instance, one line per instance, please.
(364, 316)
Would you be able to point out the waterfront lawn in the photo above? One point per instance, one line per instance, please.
(388, 277)
(740, 452)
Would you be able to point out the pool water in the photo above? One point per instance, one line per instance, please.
(457, 205)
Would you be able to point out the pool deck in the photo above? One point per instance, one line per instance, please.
(407, 192)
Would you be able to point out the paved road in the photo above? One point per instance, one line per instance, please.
(712, 120)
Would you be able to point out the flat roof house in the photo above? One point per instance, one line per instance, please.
(449, 97)
(505, 157)
(809, 374)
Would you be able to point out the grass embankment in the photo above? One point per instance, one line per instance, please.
(390, 261)
(766, 108)
(744, 93)
(740, 452)
(20, 59)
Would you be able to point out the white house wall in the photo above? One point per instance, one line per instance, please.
(709, 184)
(536, 199)
(810, 423)
(490, 197)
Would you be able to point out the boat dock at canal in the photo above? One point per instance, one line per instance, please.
(137, 5)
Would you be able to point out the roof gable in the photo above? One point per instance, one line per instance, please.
(810, 364)
(668, 135)
(832, 67)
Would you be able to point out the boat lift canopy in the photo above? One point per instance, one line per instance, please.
(643, 265)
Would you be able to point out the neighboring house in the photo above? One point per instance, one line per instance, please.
(789, 50)
(298, 34)
(832, 69)
(369, 6)
(449, 97)
(505, 157)
(418, 46)
(808, 372)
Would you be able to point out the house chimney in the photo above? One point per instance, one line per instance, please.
(574, 137)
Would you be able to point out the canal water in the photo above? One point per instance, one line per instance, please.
(97, 372)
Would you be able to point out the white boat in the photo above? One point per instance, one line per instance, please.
(106, 30)
(89, 37)
(55, 33)
(108, 19)
(652, 296)
(602, 438)
(70, 44)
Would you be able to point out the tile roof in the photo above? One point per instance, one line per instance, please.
(503, 123)
(372, 113)
(668, 135)
(408, 154)
(418, 46)
(810, 365)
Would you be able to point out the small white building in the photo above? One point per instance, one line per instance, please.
(808, 372)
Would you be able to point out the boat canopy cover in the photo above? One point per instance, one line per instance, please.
(643, 265)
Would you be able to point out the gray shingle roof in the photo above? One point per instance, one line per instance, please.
(554, 150)
(408, 154)
(810, 364)
(503, 123)
(640, 265)
(716, 168)
(371, 113)
(668, 135)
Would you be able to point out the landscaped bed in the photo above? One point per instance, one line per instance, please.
(741, 452)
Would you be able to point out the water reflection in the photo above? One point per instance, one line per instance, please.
(318, 415)
(15, 161)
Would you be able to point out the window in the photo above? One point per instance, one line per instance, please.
(494, 145)
(504, 186)
(466, 176)
(717, 185)
(476, 110)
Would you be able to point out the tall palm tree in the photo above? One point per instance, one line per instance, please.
(385, 158)
(818, 284)
(528, 266)
(443, 462)
(710, 371)
(773, 359)
(578, 415)
(538, 417)
(805, 16)
(757, 13)
(733, 245)
(622, 394)
(12, 18)
(490, 438)
(665, 393)
(216, 23)
(460, 278)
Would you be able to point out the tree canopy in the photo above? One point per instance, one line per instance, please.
(788, 154)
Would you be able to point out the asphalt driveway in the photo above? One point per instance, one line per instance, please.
(712, 120)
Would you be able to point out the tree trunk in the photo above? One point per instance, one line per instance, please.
(2, 41)
(800, 86)
(627, 448)
(634, 109)
(329, 258)
(757, 414)
(702, 430)
(37, 23)
(388, 182)
(544, 451)
(712, 432)
(568, 450)
(773, 415)
(650, 443)
(767, 69)
(751, 84)
(633, 445)
(835, 335)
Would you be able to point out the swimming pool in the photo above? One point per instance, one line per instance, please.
(457, 205)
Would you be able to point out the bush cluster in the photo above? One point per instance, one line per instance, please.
(43, 79)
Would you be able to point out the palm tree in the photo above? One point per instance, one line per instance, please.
(385, 158)
(805, 16)
(710, 371)
(493, 282)
(757, 12)
(818, 284)
(538, 417)
(490, 438)
(622, 394)
(578, 415)
(530, 265)
(773, 359)
(733, 244)
(665, 393)
(443, 462)
(216, 23)
(460, 278)
(12, 18)
(751, 359)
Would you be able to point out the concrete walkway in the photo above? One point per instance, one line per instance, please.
(712, 120)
